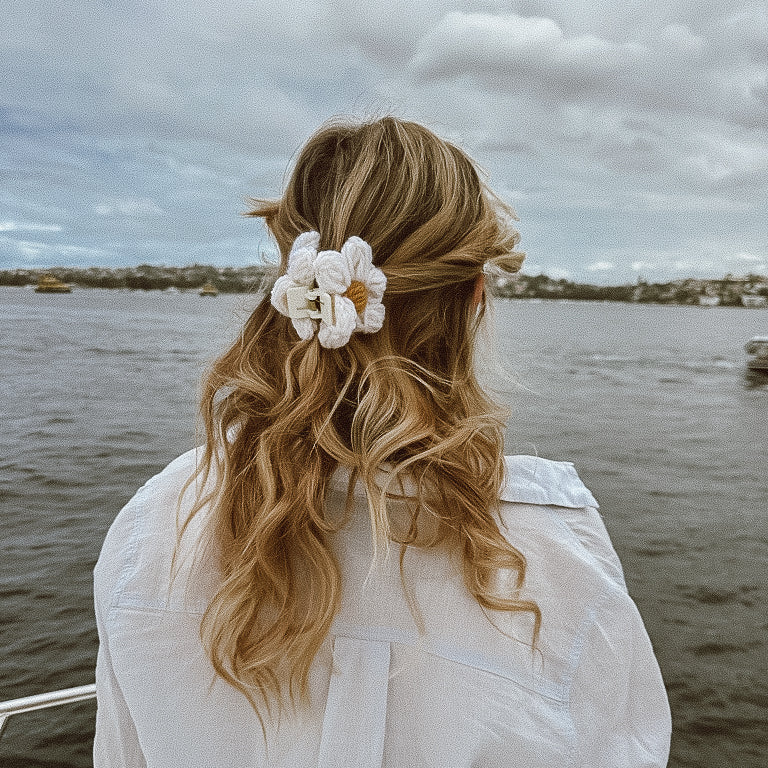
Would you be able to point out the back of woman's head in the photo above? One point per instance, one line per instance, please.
(419, 202)
(282, 412)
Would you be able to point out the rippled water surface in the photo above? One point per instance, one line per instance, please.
(653, 404)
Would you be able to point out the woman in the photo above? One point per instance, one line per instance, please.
(350, 573)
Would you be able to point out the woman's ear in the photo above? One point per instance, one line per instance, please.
(477, 296)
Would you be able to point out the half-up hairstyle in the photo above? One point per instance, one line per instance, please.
(282, 414)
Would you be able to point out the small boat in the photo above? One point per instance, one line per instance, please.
(754, 301)
(757, 348)
(48, 283)
(209, 289)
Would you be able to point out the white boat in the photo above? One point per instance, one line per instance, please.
(757, 349)
(754, 301)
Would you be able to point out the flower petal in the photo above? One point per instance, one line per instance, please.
(309, 240)
(337, 335)
(304, 327)
(279, 293)
(371, 318)
(376, 282)
(301, 259)
(333, 271)
(301, 266)
(360, 256)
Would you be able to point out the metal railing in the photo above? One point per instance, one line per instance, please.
(43, 701)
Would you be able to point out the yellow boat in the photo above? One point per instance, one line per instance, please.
(209, 289)
(48, 283)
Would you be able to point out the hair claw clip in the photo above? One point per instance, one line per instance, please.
(310, 303)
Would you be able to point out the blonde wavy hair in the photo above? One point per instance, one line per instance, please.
(282, 414)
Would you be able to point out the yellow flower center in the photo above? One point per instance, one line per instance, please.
(357, 293)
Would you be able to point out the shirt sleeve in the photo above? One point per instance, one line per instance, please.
(588, 527)
(619, 705)
(116, 744)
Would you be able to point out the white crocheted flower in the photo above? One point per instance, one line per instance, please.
(300, 274)
(349, 276)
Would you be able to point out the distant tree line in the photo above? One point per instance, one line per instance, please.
(147, 277)
(727, 291)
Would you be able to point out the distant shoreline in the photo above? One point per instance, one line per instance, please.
(729, 291)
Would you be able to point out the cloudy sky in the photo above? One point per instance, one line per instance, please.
(631, 137)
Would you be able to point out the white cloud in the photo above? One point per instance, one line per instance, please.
(559, 273)
(670, 69)
(697, 259)
(678, 39)
(524, 46)
(34, 251)
(601, 266)
(138, 207)
(745, 257)
(27, 226)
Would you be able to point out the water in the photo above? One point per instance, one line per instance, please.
(653, 404)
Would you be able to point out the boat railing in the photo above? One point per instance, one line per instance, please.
(43, 701)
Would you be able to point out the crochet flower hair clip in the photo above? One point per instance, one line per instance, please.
(331, 293)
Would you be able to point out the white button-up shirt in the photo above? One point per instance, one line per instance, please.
(466, 690)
